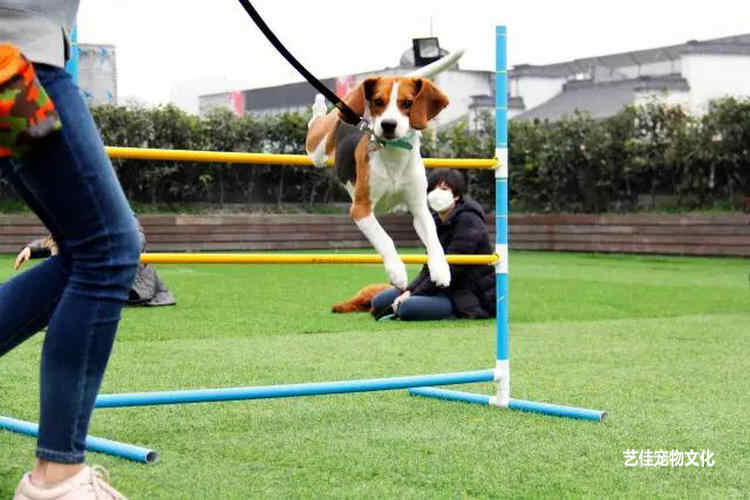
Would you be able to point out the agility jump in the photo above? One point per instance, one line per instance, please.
(419, 384)
(501, 373)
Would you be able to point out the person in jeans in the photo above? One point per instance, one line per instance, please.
(66, 178)
(462, 229)
(148, 288)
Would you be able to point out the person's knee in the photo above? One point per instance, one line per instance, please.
(130, 247)
(414, 310)
(383, 299)
(126, 254)
(122, 256)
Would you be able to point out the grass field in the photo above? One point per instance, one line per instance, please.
(660, 343)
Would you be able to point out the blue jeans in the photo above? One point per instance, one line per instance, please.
(68, 181)
(416, 307)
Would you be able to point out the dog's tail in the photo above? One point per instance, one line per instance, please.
(438, 66)
(362, 301)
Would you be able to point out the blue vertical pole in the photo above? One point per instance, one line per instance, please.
(502, 367)
(72, 64)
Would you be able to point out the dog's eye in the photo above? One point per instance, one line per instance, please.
(379, 102)
(406, 103)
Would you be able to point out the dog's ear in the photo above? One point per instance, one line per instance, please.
(428, 102)
(358, 98)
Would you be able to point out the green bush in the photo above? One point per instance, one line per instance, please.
(630, 161)
(625, 162)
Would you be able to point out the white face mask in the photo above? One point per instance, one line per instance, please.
(440, 199)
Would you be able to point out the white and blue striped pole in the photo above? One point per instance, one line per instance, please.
(71, 66)
(502, 365)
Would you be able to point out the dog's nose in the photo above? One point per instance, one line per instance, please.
(388, 126)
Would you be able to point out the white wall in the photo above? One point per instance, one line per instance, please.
(97, 72)
(653, 69)
(459, 87)
(209, 102)
(186, 94)
(536, 90)
(713, 76)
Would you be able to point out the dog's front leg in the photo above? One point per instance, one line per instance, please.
(383, 244)
(424, 225)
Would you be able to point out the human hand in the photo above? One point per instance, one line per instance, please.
(22, 257)
(397, 302)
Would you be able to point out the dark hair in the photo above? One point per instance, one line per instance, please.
(452, 178)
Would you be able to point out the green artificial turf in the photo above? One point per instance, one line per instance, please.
(659, 343)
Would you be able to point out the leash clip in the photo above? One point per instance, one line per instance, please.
(364, 126)
(375, 144)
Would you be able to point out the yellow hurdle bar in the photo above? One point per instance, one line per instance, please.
(257, 258)
(269, 159)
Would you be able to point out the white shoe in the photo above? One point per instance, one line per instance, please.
(92, 483)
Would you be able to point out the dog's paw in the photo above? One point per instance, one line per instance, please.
(397, 273)
(440, 272)
(318, 158)
(319, 108)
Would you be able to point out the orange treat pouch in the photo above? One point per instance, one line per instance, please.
(27, 114)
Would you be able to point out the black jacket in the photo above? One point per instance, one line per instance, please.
(472, 288)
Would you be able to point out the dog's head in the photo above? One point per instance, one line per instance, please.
(395, 105)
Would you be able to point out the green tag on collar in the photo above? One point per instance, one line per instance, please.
(403, 142)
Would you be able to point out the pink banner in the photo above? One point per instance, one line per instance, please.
(237, 102)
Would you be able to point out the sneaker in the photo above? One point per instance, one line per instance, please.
(384, 314)
(91, 483)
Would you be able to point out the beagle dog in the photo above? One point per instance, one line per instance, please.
(384, 169)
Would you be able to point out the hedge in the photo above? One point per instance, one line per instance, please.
(576, 164)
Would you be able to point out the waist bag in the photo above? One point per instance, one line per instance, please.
(27, 114)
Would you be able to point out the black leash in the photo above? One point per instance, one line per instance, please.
(347, 113)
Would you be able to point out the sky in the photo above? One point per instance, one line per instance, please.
(174, 50)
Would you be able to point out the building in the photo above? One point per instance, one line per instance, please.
(459, 85)
(97, 73)
(691, 74)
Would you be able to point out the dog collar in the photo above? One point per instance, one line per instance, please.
(402, 142)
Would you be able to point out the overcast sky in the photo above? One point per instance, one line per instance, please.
(175, 49)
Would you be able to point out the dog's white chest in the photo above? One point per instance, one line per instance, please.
(391, 175)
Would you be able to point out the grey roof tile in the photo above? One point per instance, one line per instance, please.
(736, 44)
(600, 100)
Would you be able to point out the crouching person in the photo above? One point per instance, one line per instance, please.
(462, 229)
(148, 289)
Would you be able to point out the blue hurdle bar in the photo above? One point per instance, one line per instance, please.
(101, 445)
(513, 404)
(287, 391)
(502, 363)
